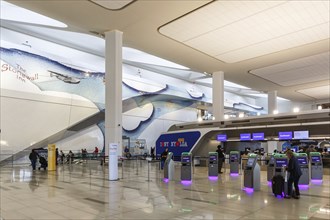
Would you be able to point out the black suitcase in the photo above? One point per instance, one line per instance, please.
(278, 185)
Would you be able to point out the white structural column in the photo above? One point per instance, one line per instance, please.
(218, 95)
(272, 102)
(113, 99)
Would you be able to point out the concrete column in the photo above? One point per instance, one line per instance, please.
(218, 95)
(113, 91)
(272, 102)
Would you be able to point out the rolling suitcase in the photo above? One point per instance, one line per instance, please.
(278, 185)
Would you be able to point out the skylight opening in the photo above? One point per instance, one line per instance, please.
(12, 12)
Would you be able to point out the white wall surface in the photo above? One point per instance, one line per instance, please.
(87, 139)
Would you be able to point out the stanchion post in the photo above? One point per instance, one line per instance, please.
(122, 168)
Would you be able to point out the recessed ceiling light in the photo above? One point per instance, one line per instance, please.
(14, 13)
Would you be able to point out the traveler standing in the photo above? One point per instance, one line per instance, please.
(33, 157)
(163, 158)
(221, 158)
(295, 173)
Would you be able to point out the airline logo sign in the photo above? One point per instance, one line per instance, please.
(177, 142)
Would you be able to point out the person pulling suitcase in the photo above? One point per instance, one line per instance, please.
(294, 175)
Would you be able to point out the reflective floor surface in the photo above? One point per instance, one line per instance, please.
(82, 191)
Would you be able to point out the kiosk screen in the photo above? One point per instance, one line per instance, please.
(250, 162)
(315, 159)
(281, 162)
(185, 159)
(302, 160)
(213, 158)
(234, 157)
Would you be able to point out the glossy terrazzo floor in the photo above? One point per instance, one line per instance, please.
(82, 191)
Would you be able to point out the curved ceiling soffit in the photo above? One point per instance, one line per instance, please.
(116, 9)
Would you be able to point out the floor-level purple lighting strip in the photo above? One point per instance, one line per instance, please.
(213, 178)
(249, 190)
(186, 182)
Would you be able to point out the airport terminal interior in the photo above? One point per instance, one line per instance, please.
(159, 109)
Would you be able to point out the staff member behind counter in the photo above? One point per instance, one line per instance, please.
(295, 173)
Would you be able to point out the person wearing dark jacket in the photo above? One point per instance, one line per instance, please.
(294, 175)
(33, 158)
(221, 158)
(163, 157)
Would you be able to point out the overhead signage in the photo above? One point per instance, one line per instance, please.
(222, 137)
(245, 137)
(301, 135)
(177, 143)
(285, 135)
(258, 136)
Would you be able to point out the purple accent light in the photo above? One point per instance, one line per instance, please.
(269, 183)
(213, 178)
(249, 190)
(316, 181)
(303, 187)
(234, 174)
(165, 180)
(186, 182)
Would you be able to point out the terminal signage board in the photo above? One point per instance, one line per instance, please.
(258, 136)
(285, 135)
(301, 135)
(177, 143)
(245, 137)
(222, 137)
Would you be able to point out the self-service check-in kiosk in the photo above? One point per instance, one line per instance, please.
(234, 162)
(316, 166)
(281, 161)
(252, 173)
(186, 166)
(270, 168)
(169, 167)
(303, 163)
(213, 164)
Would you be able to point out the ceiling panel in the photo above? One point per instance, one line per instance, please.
(300, 71)
(321, 92)
(234, 31)
(113, 4)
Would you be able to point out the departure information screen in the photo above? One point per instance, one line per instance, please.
(316, 158)
(281, 162)
(302, 160)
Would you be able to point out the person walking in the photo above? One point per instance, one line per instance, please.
(294, 174)
(221, 158)
(163, 157)
(33, 158)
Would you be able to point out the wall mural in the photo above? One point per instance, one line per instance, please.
(149, 107)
